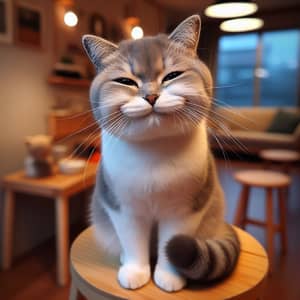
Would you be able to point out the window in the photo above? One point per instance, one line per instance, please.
(259, 69)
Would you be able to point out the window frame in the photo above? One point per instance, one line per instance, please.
(256, 100)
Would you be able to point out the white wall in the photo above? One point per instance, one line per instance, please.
(25, 99)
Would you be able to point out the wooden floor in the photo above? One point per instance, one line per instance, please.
(33, 276)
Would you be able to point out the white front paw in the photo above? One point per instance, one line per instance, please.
(132, 276)
(168, 280)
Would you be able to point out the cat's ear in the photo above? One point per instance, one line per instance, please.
(97, 49)
(187, 33)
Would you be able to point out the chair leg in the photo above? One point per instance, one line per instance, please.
(270, 225)
(282, 195)
(74, 293)
(8, 229)
(241, 212)
(62, 239)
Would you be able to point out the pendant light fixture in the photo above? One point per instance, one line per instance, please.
(230, 9)
(132, 23)
(70, 16)
(242, 24)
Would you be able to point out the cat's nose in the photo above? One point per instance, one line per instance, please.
(151, 99)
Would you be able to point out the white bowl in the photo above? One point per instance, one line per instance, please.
(71, 166)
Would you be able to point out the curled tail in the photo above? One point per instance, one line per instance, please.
(205, 260)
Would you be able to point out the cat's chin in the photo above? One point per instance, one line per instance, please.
(154, 126)
(155, 111)
(133, 112)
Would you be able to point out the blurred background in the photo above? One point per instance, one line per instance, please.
(44, 91)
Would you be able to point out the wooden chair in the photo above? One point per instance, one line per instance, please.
(269, 180)
(94, 275)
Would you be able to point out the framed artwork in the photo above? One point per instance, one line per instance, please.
(97, 25)
(28, 25)
(6, 21)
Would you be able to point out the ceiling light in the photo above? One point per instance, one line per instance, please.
(230, 9)
(242, 24)
(137, 32)
(70, 18)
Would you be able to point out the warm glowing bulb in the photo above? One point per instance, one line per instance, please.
(230, 10)
(137, 32)
(70, 19)
(242, 24)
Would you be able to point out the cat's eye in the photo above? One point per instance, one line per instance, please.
(172, 75)
(126, 81)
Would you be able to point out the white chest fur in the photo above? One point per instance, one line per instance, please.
(155, 176)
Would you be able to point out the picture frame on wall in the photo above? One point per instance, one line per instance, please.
(6, 21)
(28, 25)
(97, 25)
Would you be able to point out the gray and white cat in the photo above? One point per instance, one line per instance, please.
(157, 179)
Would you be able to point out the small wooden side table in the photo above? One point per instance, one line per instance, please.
(59, 187)
(94, 275)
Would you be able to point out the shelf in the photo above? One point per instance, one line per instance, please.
(69, 82)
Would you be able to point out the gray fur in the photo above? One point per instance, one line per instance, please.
(107, 195)
(215, 248)
(206, 264)
(207, 187)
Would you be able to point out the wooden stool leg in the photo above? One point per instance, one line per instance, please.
(241, 212)
(74, 293)
(282, 195)
(270, 225)
(62, 239)
(8, 228)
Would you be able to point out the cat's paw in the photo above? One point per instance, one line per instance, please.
(132, 276)
(168, 280)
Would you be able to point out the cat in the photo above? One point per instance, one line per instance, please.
(39, 161)
(157, 176)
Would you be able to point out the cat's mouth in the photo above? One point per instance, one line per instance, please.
(140, 109)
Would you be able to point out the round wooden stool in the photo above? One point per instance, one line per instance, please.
(94, 275)
(268, 180)
(283, 157)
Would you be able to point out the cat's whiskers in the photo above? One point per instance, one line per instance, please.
(193, 117)
(76, 115)
(84, 142)
(224, 86)
(226, 158)
(86, 165)
(192, 113)
(64, 139)
(178, 115)
(228, 108)
(204, 115)
(106, 119)
(223, 127)
(87, 143)
(233, 110)
(114, 125)
(219, 116)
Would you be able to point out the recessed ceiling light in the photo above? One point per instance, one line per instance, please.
(230, 9)
(70, 18)
(137, 32)
(242, 24)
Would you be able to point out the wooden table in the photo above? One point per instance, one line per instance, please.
(94, 275)
(59, 187)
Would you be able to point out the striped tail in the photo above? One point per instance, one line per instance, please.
(205, 260)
